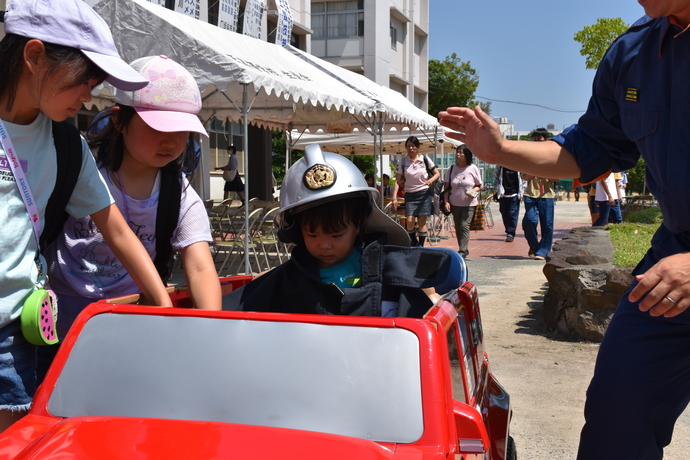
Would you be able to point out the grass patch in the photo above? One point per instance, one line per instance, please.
(631, 241)
(645, 216)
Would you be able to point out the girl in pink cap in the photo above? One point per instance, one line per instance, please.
(141, 152)
(53, 54)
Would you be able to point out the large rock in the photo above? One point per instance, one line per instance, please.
(584, 285)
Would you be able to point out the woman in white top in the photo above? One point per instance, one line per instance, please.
(416, 173)
(461, 187)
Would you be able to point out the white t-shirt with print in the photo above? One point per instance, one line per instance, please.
(36, 149)
(81, 262)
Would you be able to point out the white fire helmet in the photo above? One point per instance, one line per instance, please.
(321, 177)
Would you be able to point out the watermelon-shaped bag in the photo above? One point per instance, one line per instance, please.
(39, 318)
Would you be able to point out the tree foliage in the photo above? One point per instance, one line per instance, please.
(636, 178)
(364, 163)
(452, 83)
(279, 144)
(597, 38)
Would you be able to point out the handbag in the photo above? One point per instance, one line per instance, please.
(478, 219)
(436, 188)
(229, 175)
(445, 195)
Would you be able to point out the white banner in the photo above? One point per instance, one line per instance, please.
(228, 13)
(158, 2)
(253, 13)
(284, 28)
(195, 8)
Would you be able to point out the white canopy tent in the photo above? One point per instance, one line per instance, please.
(239, 77)
(361, 143)
(394, 111)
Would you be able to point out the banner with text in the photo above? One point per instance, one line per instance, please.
(284, 28)
(228, 13)
(253, 13)
(195, 8)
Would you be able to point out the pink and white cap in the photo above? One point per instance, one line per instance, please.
(171, 100)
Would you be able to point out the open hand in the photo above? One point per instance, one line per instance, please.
(477, 130)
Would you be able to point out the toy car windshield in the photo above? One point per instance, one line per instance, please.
(362, 382)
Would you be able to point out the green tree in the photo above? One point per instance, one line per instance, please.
(364, 163)
(279, 144)
(636, 178)
(597, 38)
(452, 83)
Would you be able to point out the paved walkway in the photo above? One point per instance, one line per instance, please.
(490, 243)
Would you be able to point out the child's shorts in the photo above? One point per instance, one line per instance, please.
(17, 369)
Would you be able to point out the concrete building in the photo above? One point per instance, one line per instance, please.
(509, 132)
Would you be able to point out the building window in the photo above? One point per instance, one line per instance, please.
(337, 19)
(394, 37)
(221, 134)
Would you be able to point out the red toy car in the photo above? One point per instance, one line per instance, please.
(133, 382)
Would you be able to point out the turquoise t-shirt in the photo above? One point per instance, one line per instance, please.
(346, 274)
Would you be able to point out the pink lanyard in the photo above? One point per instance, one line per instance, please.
(22, 183)
(27, 196)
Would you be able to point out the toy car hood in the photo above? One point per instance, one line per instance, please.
(107, 438)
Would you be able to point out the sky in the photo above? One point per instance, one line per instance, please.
(524, 51)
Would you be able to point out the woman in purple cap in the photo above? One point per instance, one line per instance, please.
(53, 54)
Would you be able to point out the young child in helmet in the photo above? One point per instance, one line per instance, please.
(349, 259)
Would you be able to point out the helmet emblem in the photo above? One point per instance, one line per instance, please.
(319, 177)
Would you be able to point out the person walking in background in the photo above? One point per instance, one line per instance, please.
(641, 381)
(616, 214)
(591, 190)
(416, 173)
(577, 188)
(539, 203)
(233, 181)
(510, 187)
(461, 187)
(605, 199)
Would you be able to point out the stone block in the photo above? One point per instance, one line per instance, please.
(619, 280)
(586, 260)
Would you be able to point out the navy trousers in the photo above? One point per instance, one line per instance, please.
(510, 210)
(641, 382)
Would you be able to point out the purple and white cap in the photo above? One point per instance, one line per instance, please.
(72, 23)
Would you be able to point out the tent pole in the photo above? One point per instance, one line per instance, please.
(288, 149)
(380, 130)
(245, 146)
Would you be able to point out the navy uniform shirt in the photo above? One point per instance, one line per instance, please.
(640, 105)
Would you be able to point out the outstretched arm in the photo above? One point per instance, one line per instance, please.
(132, 254)
(201, 275)
(483, 136)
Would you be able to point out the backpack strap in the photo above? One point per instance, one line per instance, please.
(429, 171)
(167, 215)
(68, 148)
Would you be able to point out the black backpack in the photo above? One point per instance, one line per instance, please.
(69, 157)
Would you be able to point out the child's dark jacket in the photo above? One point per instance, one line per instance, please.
(392, 273)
